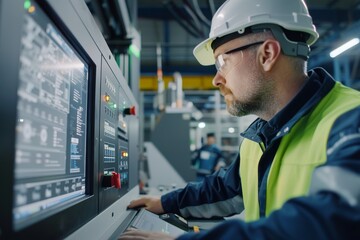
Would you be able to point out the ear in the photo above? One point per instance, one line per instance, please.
(269, 54)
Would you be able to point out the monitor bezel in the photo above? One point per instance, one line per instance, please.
(71, 216)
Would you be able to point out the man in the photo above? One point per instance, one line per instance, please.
(298, 171)
(208, 158)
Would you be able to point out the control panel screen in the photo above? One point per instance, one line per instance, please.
(51, 129)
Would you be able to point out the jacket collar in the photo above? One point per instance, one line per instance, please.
(319, 84)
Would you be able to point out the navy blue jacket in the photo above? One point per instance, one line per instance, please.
(206, 158)
(332, 213)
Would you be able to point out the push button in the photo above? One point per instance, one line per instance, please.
(130, 111)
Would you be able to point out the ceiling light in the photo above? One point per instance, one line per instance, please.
(344, 47)
(201, 125)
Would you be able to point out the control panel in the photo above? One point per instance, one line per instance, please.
(114, 143)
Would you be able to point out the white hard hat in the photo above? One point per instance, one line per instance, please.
(237, 15)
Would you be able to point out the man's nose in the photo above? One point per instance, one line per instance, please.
(218, 80)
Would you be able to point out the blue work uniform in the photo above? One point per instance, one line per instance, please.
(331, 209)
(206, 159)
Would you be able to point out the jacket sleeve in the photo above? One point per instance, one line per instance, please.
(195, 157)
(218, 195)
(330, 211)
(220, 160)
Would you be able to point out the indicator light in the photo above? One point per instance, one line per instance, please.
(27, 4)
(107, 98)
(31, 9)
(124, 154)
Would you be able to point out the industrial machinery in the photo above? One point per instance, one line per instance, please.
(69, 125)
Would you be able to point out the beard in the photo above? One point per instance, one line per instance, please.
(238, 108)
(253, 101)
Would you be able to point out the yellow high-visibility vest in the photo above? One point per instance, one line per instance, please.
(300, 151)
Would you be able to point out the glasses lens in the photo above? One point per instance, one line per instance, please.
(219, 62)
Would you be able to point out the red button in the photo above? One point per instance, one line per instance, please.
(130, 111)
(115, 180)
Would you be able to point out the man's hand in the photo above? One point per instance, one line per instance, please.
(134, 234)
(153, 204)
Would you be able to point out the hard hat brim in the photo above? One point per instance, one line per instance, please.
(204, 53)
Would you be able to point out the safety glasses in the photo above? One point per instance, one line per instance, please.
(219, 61)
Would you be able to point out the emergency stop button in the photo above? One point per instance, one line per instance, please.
(112, 180)
(130, 111)
(115, 180)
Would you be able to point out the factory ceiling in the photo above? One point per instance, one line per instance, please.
(176, 26)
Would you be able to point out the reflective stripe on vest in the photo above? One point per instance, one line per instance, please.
(299, 153)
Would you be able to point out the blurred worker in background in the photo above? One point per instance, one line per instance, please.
(208, 158)
(298, 171)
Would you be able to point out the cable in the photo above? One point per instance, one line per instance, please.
(199, 13)
(174, 10)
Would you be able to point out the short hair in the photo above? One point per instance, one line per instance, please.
(211, 134)
(298, 64)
